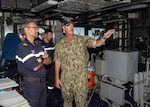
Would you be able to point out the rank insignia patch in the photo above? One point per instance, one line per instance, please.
(25, 44)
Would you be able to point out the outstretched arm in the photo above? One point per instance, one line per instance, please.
(106, 35)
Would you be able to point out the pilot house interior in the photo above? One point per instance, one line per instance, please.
(120, 66)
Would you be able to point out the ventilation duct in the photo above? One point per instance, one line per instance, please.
(44, 6)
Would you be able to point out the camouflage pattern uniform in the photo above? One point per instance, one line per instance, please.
(74, 77)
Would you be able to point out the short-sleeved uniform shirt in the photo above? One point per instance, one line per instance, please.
(73, 55)
(26, 58)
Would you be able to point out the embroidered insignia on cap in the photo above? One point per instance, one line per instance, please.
(68, 19)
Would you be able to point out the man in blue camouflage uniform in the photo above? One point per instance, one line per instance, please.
(30, 59)
(70, 55)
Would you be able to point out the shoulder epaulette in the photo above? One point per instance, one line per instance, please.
(25, 44)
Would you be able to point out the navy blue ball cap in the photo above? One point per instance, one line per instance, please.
(66, 21)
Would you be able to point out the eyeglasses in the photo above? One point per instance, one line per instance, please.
(69, 23)
(35, 27)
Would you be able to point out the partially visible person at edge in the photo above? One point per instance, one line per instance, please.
(49, 46)
(21, 35)
(38, 40)
(70, 55)
(31, 59)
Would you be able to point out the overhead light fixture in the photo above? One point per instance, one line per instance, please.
(133, 7)
(44, 6)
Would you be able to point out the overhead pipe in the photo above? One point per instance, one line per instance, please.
(44, 6)
(133, 7)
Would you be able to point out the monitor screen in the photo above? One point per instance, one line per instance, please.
(79, 31)
(95, 32)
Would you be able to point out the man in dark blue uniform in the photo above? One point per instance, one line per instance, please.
(31, 59)
(49, 46)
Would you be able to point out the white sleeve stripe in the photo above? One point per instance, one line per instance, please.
(28, 56)
(51, 48)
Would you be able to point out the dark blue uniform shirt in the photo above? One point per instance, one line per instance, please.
(49, 48)
(26, 58)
